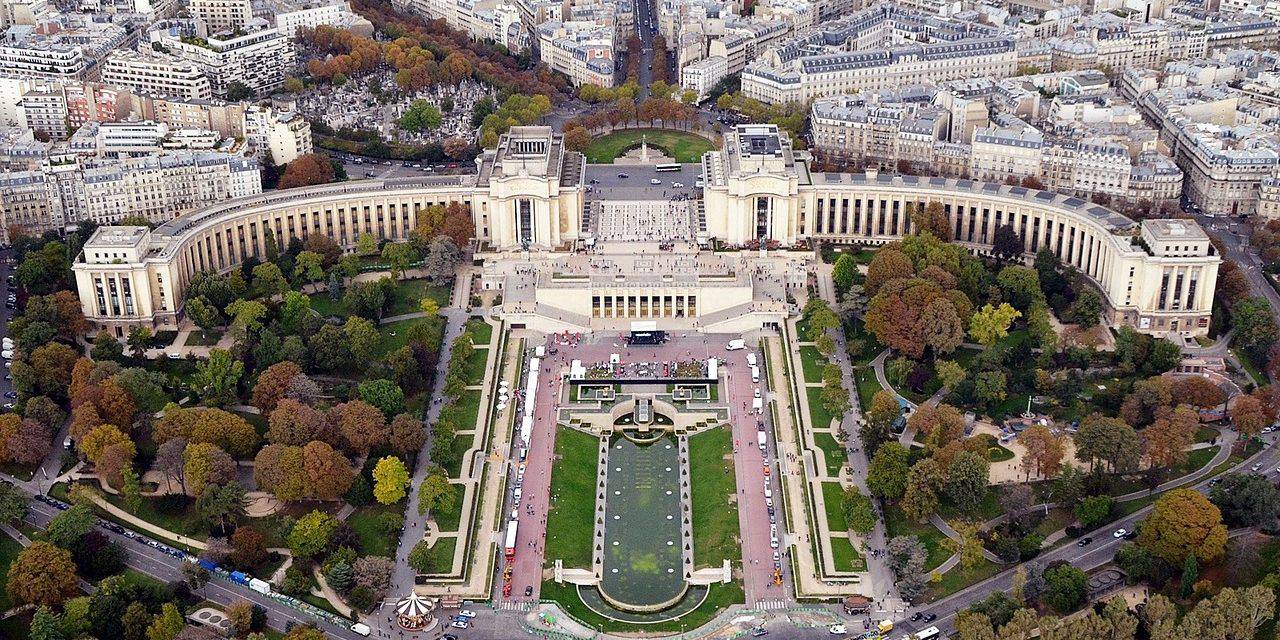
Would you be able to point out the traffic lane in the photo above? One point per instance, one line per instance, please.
(167, 568)
(753, 512)
(1093, 556)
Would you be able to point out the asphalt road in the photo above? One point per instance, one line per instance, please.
(605, 182)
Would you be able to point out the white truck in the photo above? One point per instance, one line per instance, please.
(736, 345)
(261, 586)
(757, 404)
(761, 439)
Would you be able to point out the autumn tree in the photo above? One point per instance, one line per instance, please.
(878, 426)
(281, 469)
(1182, 522)
(98, 439)
(329, 474)
(1165, 442)
(887, 265)
(1109, 441)
(407, 434)
(1044, 451)
(205, 464)
(43, 575)
(1247, 415)
(363, 426)
(940, 424)
(272, 384)
(1197, 391)
(307, 170)
(295, 423)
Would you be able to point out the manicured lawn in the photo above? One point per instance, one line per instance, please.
(715, 518)
(407, 298)
(719, 597)
(845, 557)
(1058, 518)
(573, 499)
(200, 339)
(867, 386)
(832, 452)
(448, 520)
(481, 331)
(959, 578)
(812, 362)
(475, 366)
(396, 334)
(683, 147)
(9, 550)
(442, 555)
(898, 524)
(377, 538)
(821, 417)
(1205, 434)
(832, 494)
(465, 410)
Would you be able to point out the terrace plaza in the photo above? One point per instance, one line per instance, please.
(555, 238)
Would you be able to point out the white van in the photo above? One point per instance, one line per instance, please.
(755, 374)
(361, 628)
(735, 345)
(751, 358)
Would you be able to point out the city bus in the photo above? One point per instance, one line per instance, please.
(928, 634)
(667, 167)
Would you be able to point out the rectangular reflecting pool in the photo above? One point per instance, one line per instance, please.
(643, 544)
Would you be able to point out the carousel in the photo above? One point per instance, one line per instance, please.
(413, 612)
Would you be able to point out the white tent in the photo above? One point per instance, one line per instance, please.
(414, 606)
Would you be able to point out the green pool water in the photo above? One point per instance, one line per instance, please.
(642, 562)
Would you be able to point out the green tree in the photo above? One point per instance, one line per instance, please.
(1093, 511)
(949, 373)
(880, 416)
(1190, 573)
(1246, 499)
(989, 324)
(435, 493)
(383, 394)
(391, 480)
(362, 337)
(106, 347)
(131, 490)
(1065, 587)
(399, 255)
(167, 625)
(309, 266)
(138, 339)
(66, 528)
(420, 116)
(311, 534)
(1255, 327)
(44, 626)
(887, 474)
(990, 387)
(968, 480)
(858, 511)
(366, 245)
(1108, 440)
(217, 378)
(1086, 310)
(420, 558)
(269, 281)
(844, 272)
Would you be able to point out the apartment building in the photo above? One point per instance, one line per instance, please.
(31, 57)
(286, 134)
(702, 76)
(585, 52)
(28, 199)
(885, 131)
(156, 74)
(221, 16)
(259, 60)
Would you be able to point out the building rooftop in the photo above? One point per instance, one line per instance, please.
(116, 237)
